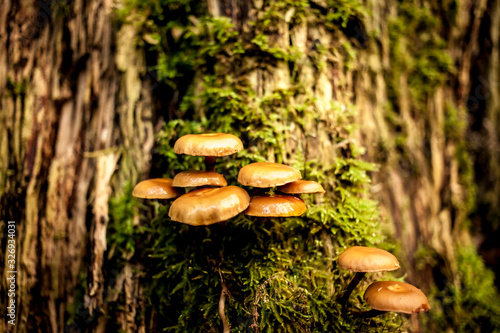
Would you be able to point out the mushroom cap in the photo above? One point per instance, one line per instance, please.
(302, 187)
(275, 206)
(206, 206)
(367, 259)
(158, 188)
(396, 296)
(198, 178)
(266, 174)
(208, 144)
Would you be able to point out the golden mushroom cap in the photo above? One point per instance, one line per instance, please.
(208, 144)
(275, 206)
(367, 259)
(396, 296)
(266, 174)
(302, 187)
(206, 206)
(158, 188)
(198, 178)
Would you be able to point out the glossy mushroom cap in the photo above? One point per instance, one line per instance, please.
(396, 296)
(367, 259)
(302, 187)
(275, 206)
(206, 206)
(266, 174)
(209, 144)
(159, 188)
(198, 178)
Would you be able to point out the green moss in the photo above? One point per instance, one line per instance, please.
(417, 51)
(123, 233)
(455, 132)
(471, 306)
(340, 12)
(16, 88)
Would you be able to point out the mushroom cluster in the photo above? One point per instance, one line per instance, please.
(213, 201)
(286, 179)
(381, 296)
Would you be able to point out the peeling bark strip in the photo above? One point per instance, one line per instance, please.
(61, 94)
(106, 165)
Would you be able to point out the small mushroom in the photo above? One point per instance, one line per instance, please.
(158, 188)
(394, 296)
(266, 174)
(302, 187)
(207, 206)
(275, 206)
(198, 178)
(362, 260)
(210, 145)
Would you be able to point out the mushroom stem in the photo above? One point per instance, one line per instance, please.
(367, 314)
(222, 303)
(354, 282)
(209, 163)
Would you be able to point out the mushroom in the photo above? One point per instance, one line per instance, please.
(210, 145)
(395, 296)
(198, 178)
(275, 206)
(207, 206)
(158, 188)
(362, 260)
(302, 187)
(266, 174)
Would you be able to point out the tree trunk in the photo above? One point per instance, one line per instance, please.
(78, 119)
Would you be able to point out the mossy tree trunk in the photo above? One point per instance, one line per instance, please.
(77, 120)
(413, 107)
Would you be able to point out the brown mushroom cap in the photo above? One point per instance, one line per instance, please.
(302, 187)
(159, 188)
(208, 144)
(367, 259)
(275, 206)
(266, 174)
(206, 206)
(396, 296)
(198, 178)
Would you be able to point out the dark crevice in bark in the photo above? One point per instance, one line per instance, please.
(483, 145)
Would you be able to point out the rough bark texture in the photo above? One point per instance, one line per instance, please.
(75, 117)
(77, 120)
(421, 193)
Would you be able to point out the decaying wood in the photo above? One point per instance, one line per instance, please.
(63, 88)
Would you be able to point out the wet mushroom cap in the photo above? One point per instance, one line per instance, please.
(367, 259)
(302, 187)
(266, 174)
(206, 206)
(199, 178)
(158, 188)
(275, 206)
(208, 144)
(396, 296)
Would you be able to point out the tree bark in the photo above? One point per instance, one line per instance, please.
(76, 121)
